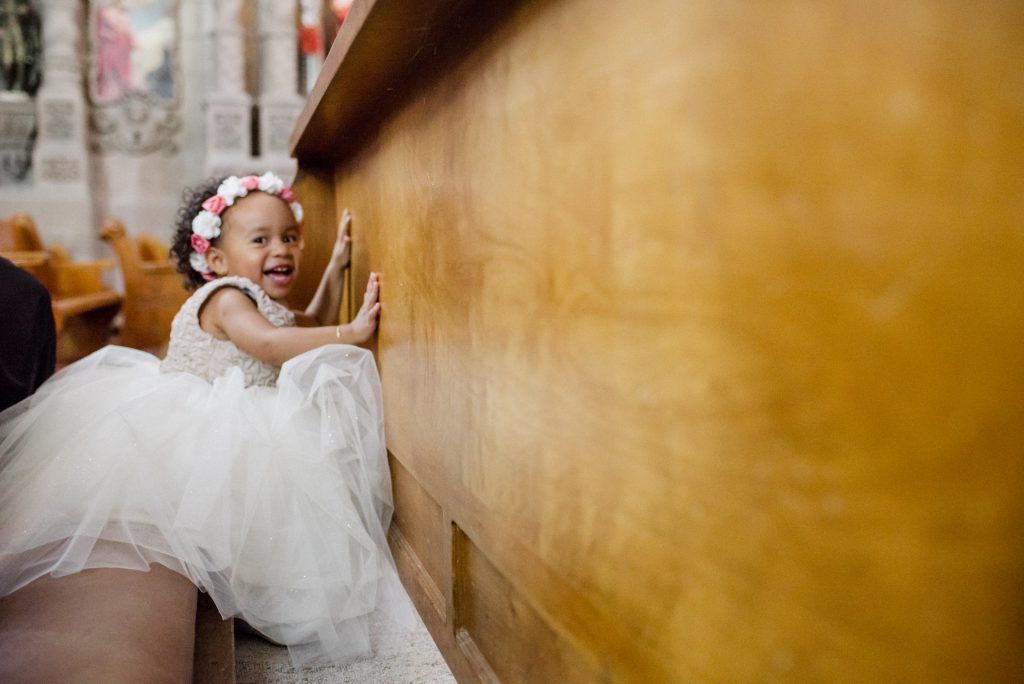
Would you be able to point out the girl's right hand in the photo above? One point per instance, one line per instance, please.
(365, 322)
(342, 253)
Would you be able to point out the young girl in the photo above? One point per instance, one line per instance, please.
(250, 460)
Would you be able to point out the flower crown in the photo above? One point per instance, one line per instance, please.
(206, 224)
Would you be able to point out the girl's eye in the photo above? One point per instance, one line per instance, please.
(289, 238)
(259, 240)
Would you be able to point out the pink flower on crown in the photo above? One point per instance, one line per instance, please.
(199, 243)
(250, 182)
(287, 195)
(215, 205)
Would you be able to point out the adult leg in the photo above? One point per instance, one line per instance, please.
(103, 625)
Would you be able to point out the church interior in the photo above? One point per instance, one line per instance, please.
(699, 321)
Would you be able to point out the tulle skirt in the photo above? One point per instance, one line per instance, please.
(275, 501)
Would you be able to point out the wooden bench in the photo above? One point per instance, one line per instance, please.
(154, 290)
(214, 656)
(83, 307)
(28, 261)
(700, 330)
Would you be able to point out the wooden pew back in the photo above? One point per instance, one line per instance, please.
(83, 306)
(154, 290)
(701, 330)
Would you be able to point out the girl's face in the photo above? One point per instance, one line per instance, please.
(260, 241)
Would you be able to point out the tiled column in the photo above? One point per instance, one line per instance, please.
(60, 155)
(228, 113)
(311, 40)
(196, 22)
(280, 103)
(60, 159)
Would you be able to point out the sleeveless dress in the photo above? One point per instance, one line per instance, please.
(268, 489)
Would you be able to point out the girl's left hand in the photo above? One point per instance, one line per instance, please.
(342, 253)
(365, 322)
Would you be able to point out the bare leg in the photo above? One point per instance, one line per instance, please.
(101, 625)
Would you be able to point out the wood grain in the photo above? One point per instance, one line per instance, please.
(701, 321)
(314, 189)
(83, 306)
(214, 659)
(153, 290)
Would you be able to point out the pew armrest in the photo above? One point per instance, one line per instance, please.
(79, 277)
(75, 305)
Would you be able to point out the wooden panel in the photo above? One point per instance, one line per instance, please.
(315, 191)
(418, 533)
(214, 660)
(702, 320)
(499, 633)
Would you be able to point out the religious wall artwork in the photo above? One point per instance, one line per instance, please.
(21, 47)
(134, 83)
(21, 60)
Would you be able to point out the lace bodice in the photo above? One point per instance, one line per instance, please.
(193, 350)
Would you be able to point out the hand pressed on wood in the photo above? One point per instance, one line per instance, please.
(365, 322)
(341, 255)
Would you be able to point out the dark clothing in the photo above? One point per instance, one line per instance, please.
(28, 338)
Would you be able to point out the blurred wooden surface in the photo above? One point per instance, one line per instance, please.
(28, 260)
(701, 331)
(214, 659)
(83, 306)
(319, 230)
(153, 288)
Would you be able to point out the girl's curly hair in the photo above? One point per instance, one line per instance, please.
(181, 247)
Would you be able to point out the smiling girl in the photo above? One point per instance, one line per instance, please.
(250, 461)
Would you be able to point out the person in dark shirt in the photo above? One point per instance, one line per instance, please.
(28, 338)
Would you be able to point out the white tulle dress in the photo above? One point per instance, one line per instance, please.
(270, 491)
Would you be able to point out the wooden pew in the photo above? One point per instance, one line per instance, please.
(214, 659)
(701, 327)
(29, 261)
(83, 307)
(154, 290)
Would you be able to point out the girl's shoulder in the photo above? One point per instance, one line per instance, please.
(275, 312)
(251, 289)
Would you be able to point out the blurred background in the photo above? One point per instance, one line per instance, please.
(110, 107)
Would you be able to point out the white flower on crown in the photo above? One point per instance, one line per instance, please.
(271, 183)
(297, 211)
(198, 262)
(231, 189)
(206, 225)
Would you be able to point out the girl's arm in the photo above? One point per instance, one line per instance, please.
(230, 315)
(323, 308)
